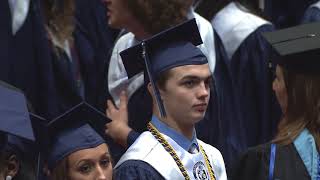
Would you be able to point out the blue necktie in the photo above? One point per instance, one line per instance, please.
(193, 149)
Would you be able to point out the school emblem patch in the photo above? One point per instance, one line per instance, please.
(200, 171)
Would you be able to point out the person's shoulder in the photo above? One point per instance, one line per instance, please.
(136, 169)
(124, 41)
(140, 149)
(252, 164)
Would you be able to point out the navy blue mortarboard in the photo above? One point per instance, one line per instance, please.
(297, 48)
(14, 114)
(81, 127)
(166, 50)
(23, 147)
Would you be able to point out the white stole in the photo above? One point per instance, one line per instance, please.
(146, 148)
(234, 25)
(19, 11)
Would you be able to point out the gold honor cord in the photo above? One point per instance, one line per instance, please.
(208, 163)
(175, 157)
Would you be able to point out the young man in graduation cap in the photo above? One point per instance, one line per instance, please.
(294, 153)
(72, 146)
(15, 128)
(179, 82)
(143, 19)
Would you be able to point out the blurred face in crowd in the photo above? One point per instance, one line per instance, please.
(1, 173)
(186, 93)
(118, 13)
(90, 164)
(279, 87)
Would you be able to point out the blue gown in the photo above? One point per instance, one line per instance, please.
(286, 13)
(136, 170)
(46, 80)
(247, 110)
(252, 79)
(92, 15)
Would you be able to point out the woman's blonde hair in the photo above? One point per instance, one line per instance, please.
(59, 16)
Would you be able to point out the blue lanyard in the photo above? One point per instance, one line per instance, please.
(318, 174)
(272, 161)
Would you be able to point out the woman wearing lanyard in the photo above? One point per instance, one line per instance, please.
(293, 154)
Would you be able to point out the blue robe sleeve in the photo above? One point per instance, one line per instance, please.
(136, 170)
(311, 15)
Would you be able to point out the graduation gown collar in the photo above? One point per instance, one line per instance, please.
(183, 141)
(233, 25)
(19, 11)
(316, 5)
(146, 148)
(307, 150)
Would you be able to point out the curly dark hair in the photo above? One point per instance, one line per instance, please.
(158, 15)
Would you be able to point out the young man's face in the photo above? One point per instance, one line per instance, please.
(187, 92)
(118, 13)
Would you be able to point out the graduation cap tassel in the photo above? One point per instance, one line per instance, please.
(155, 90)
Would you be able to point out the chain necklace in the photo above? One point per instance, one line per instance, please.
(175, 157)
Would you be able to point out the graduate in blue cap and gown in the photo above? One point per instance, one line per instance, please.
(72, 146)
(143, 19)
(179, 83)
(247, 109)
(15, 129)
(55, 77)
(294, 152)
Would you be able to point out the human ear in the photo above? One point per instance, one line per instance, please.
(150, 90)
(12, 166)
